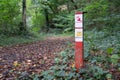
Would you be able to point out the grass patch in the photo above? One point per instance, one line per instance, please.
(14, 40)
(70, 34)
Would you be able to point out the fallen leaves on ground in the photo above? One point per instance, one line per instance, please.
(30, 58)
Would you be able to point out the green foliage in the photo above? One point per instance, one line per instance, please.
(61, 70)
(97, 10)
(38, 21)
(102, 48)
(8, 16)
(110, 50)
(64, 22)
(101, 55)
(8, 40)
(103, 40)
(101, 14)
(31, 37)
(95, 56)
(97, 73)
(115, 58)
(109, 76)
(24, 76)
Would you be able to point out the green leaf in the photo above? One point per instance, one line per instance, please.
(36, 77)
(110, 50)
(57, 60)
(115, 58)
(108, 76)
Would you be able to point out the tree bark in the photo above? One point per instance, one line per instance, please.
(47, 19)
(24, 14)
(68, 7)
(75, 6)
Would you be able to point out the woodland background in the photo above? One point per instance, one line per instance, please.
(25, 22)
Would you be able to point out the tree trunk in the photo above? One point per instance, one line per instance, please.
(75, 6)
(24, 14)
(47, 20)
(68, 7)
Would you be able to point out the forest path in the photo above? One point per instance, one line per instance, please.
(30, 58)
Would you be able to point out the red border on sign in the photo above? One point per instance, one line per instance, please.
(78, 12)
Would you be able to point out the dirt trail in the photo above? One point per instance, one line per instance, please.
(30, 58)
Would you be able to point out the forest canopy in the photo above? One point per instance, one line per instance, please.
(24, 16)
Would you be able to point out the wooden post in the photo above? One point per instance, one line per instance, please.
(79, 45)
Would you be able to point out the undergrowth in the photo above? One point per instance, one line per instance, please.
(101, 57)
(6, 40)
(14, 40)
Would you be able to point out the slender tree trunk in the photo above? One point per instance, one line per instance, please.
(36, 12)
(68, 7)
(52, 9)
(47, 20)
(75, 6)
(24, 14)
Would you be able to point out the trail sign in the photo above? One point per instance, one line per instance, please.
(78, 20)
(79, 52)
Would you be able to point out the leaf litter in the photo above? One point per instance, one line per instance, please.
(32, 58)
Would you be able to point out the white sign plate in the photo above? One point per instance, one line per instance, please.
(78, 20)
(78, 35)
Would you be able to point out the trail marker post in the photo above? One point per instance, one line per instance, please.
(79, 44)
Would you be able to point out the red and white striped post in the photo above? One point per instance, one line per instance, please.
(79, 45)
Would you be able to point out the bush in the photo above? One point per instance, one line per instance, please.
(99, 55)
(64, 22)
(63, 70)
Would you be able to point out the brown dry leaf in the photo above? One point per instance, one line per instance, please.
(109, 79)
(29, 61)
(33, 57)
(45, 57)
(1, 75)
(73, 65)
(1, 67)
